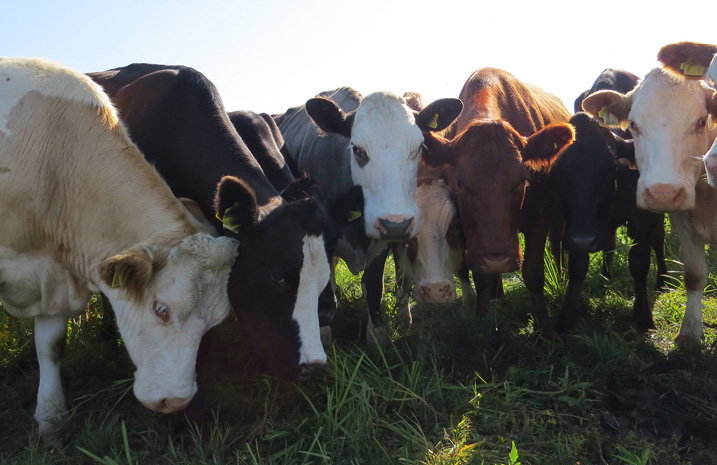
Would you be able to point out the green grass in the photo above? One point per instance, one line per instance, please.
(451, 390)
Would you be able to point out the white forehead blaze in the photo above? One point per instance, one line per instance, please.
(18, 76)
(385, 128)
(313, 279)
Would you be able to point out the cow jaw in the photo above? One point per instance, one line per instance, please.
(385, 130)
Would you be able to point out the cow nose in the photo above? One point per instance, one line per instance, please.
(493, 263)
(436, 293)
(172, 404)
(664, 197)
(395, 227)
(586, 243)
(309, 370)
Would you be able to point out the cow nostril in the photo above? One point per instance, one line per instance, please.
(389, 228)
(309, 370)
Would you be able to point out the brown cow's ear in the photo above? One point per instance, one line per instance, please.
(130, 270)
(438, 115)
(543, 148)
(329, 117)
(687, 59)
(436, 151)
(609, 107)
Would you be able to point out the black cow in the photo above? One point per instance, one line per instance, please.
(263, 138)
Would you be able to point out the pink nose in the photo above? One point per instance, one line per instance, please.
(664, 197)
(436, 293)
(171, 404)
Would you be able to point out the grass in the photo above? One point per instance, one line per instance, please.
(451, 390)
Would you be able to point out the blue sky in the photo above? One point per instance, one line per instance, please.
(268, 55)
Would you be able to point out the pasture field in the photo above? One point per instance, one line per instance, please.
(452, 390)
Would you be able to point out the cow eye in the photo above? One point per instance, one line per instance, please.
(278, 279)
(161, 311)
(416, 154)
(702, 123)
(360, 155)
(633, 128)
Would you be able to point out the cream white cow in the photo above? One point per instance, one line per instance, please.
(84, 212)
(671, 120)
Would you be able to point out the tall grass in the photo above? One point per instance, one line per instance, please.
(454, 389)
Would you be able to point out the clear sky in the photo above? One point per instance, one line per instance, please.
(268, 55)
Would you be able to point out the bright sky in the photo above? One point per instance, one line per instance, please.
(268, 55)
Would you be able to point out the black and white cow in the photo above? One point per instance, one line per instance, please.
(174, 114)
(342, 139)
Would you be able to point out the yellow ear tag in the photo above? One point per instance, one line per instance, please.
(354, 215)
(117, 280)
(692, 69)
(555, 146)
(227, 221)
(434, 122)
(601, 113)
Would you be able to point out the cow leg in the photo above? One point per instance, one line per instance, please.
(372, 285)
(608, 256)
(577, 270)
(487, 288)
(658, 245)
(695, 261)
(534, 277)
(470, 300)
(325, 329)
(50, 334)
(404, 283)
(639, 261)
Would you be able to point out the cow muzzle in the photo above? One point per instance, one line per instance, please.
(395, 227)
(493, 263)
(309, 370)
(582, 243)
(436, 293)
(664, 198)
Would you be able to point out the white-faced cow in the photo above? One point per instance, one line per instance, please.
(374, 142)
(670, 119)
(84, 212)
(175, 115)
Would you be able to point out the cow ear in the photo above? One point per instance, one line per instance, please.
(130, 270)
(235, 205)
(348, 207)
(438, 115)
(436, 151)
(329, 117)
(687, 59)
(609, 107)
(544, 147)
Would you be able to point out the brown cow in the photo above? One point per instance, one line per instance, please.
(507, 133)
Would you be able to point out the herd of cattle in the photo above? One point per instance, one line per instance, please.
(137, 183)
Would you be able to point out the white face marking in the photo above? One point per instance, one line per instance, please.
(667, 146)
(313, 279)
(385, 128)
(433, 261)
(18, 76)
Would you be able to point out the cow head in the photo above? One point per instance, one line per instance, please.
(695, 61)
(586, 177)
(165, 299)
(281, 270)
(434, 251)
(671, 122)
(385, 147)
(487, 167)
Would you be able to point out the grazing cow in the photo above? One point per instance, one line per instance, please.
(84, 212)
(374, 142)
(505, 136)
(670, 120)
(174, 114)
(263, 138)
